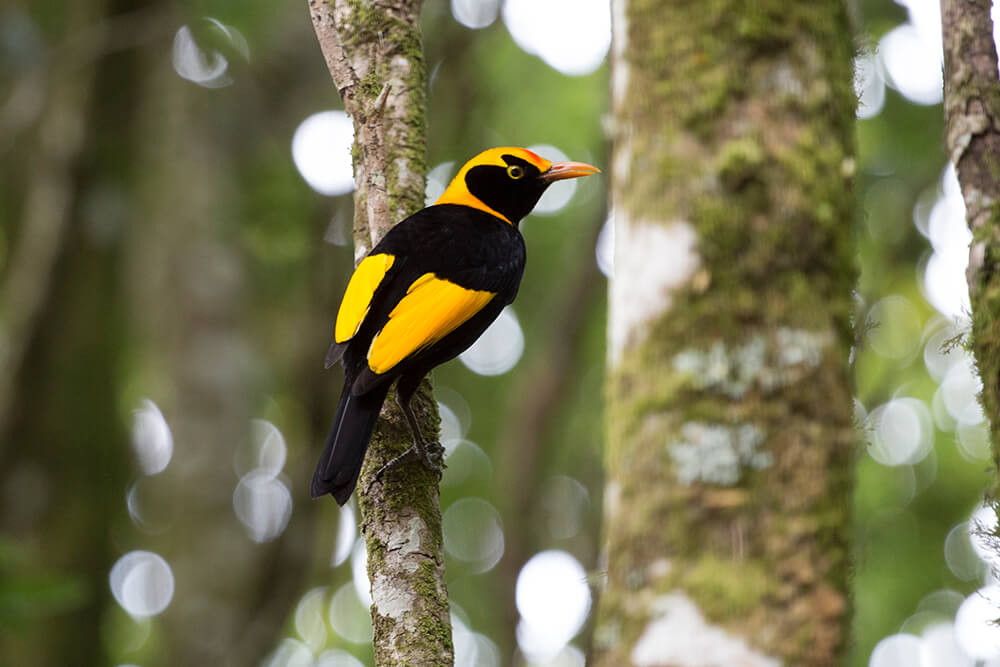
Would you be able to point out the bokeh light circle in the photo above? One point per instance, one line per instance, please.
(869, 85)
(473, 533)
(263, 504)
(151, 438)
(290, 653)
(337, 658)
(559, 193)
(982, 526)
(893, 327)
(475, 14)
(959, 392)
(898, 650)
(438, 178)
(912, 66)
(901, 432)
(565, 502)
(960, 555)
(142, 583)
(605, 248)
(359, 572)
(205, 68)
(499, 348)
(939, 646)
(349, 617)
(572, 36)
(321, 150)
(347, 531)
(975, 624)
(553, 599)
(310, 623)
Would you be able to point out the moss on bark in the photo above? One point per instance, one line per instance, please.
(730, 436)
(374, 53)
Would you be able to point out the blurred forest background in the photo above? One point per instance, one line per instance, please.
(175, 219)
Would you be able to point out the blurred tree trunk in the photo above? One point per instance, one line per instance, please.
(62, 444)
(972, 118)
(730, 415)
(375, 57)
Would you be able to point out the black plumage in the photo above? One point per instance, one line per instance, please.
(469, 240)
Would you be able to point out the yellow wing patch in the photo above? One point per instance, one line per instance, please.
(358, 297)
(432, 308)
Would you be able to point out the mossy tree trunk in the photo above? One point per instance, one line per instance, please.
(972, 118)
(730, 413)
(375, 56)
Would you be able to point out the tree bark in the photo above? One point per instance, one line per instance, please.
(972, 120)
(730, 414)
(375, 56)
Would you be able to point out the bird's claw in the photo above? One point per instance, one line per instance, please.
(431, 455)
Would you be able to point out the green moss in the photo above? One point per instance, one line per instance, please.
(726, 588)
(985, 338)
(738, 162)
(371, 84)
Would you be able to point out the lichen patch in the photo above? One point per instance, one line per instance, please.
(767, 363)
(619, 38)
(717, 454)
(679, 636)
(666, 253)
(391, 597)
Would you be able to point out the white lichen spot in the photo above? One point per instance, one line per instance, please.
(619, 38)
(391, 597)
(797, 346)
(717, 454)
(660, 568)
(785, 80)
(406, 540)
(767, 363)
(652, 260)
(612, 497)
(679, 635)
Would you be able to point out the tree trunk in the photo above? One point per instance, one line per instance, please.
(375, 56)
(730, 414)
(972, 118)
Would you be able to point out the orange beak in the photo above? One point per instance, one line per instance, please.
(563, 170)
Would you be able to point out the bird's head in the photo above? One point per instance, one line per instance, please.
(508, 182)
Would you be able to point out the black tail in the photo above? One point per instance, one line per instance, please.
(340, 464)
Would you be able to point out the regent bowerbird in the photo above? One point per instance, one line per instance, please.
(424, 294)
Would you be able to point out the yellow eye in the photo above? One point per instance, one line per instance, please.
(515, 171)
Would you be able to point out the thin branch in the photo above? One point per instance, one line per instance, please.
(374, 55)
(972, 117)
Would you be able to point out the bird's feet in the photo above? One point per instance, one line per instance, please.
(430, 454)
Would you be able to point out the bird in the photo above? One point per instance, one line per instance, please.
(423, 295)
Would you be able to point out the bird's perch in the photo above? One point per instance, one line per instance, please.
(374, 54)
